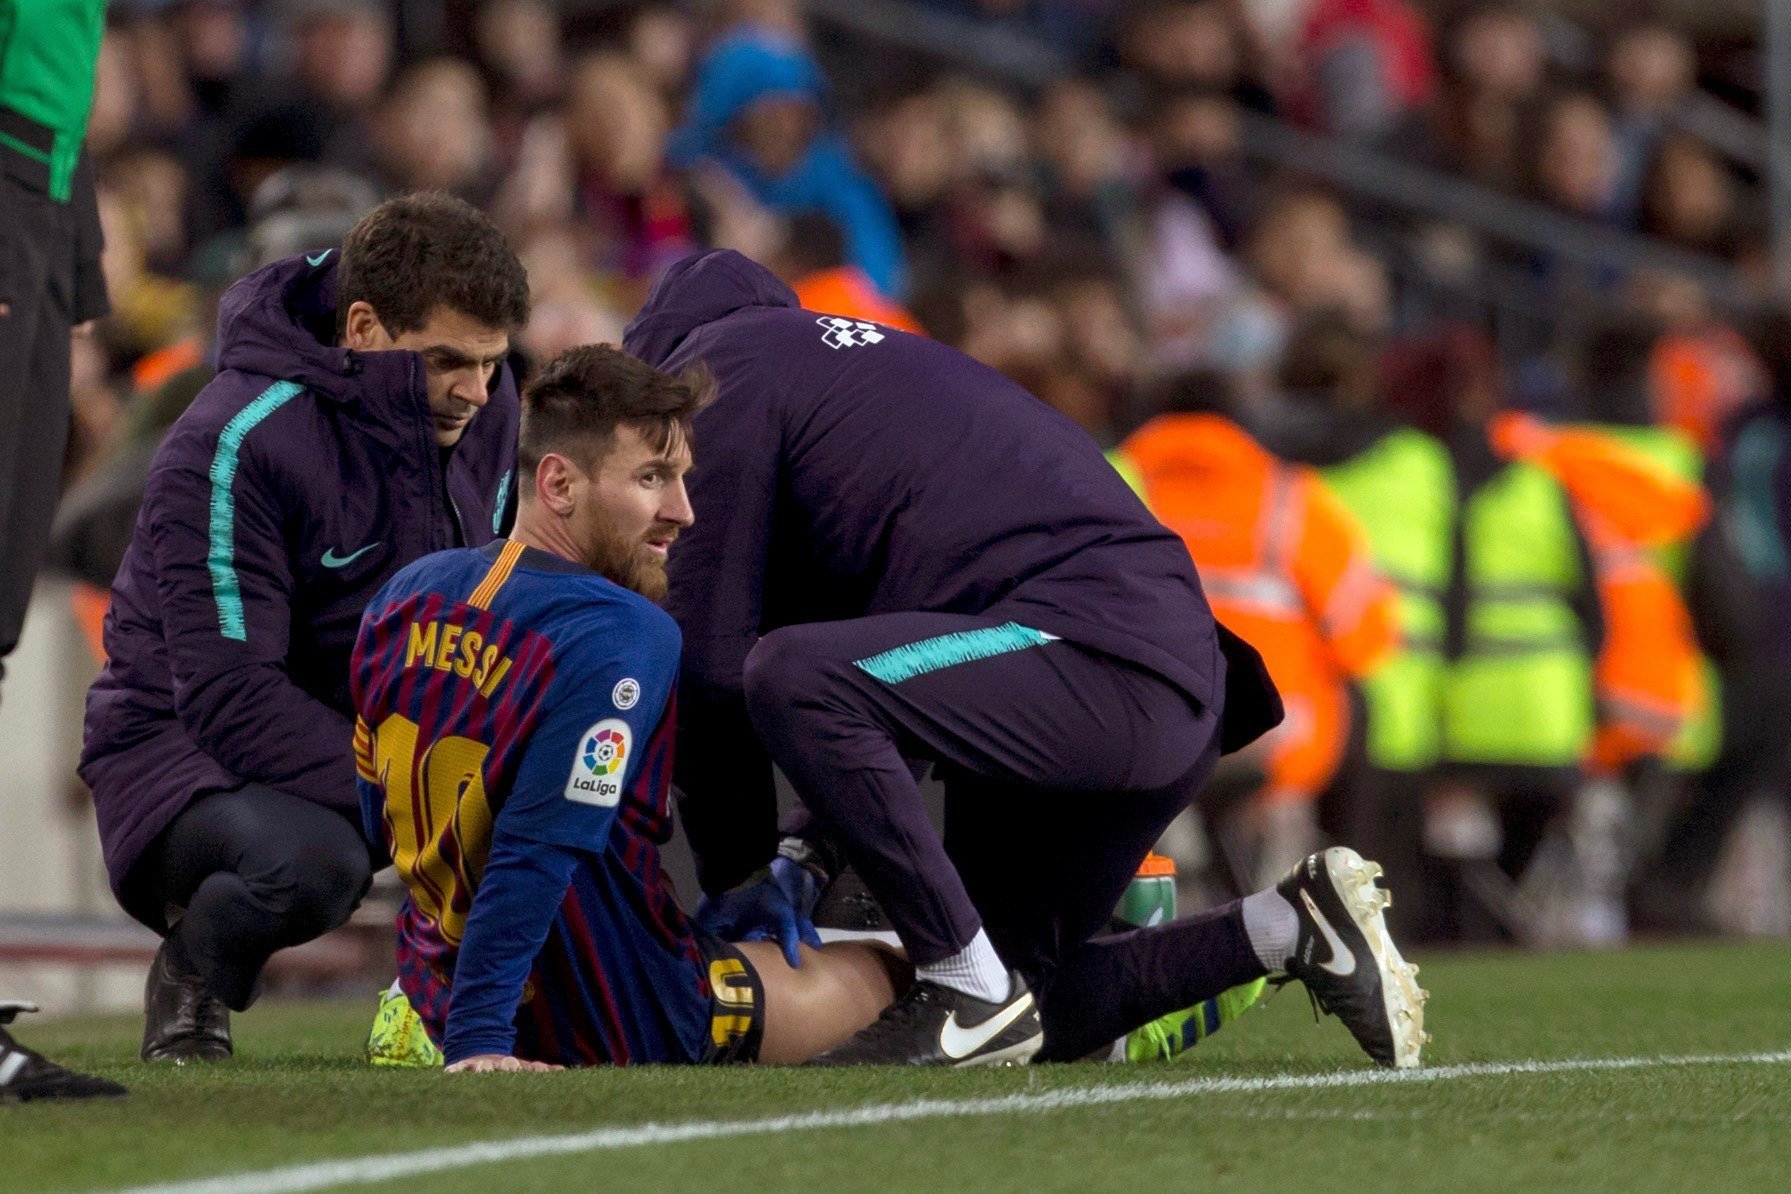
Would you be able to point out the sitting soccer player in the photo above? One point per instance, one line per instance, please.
(513, 738)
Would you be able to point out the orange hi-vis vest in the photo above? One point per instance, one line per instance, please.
(1285, 566)
(849, 291)
(1701, 377)
(1648, 674)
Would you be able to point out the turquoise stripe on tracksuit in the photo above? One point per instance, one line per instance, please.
(949, 650)
(502, 503)
(226, 589)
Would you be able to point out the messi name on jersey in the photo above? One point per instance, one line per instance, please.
(449, 646)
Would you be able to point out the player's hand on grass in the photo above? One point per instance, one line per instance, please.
(492, 1063)
(774, 907)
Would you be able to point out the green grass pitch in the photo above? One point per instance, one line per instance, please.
(298, 1094)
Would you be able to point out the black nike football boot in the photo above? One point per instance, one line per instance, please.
(182, 1021)
(27, 1075)
(1347, 960)
(935, 1025)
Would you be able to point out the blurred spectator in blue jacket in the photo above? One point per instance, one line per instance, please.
(758, 110)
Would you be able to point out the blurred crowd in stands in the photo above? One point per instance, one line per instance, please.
(1109, 231)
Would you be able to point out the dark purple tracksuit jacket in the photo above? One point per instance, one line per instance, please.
(297, 483)
(838, 478)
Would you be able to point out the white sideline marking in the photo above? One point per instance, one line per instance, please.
(365, 1170)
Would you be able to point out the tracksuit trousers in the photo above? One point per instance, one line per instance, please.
(249, 873)
(1061, 768)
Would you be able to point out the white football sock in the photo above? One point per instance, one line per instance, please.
(1273, 928)
(975, 970)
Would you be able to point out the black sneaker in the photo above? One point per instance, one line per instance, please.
(27, 1075)
(1347, 960)
(847, 906)
(935, 1025)
(182, 1021)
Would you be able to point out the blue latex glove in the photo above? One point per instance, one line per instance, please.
(775, 908)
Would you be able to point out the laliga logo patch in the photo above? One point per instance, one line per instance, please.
(602, 759)
(849, 333)
(606, 749)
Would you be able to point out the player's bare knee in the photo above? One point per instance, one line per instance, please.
(837, 991)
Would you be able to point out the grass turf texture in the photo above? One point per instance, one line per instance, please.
(298, 1093)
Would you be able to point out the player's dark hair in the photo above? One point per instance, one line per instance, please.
(574, 406)
(417, 253)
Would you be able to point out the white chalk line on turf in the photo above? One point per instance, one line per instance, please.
(353, 1171)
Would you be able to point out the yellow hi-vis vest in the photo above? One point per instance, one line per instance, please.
(1402, 490)
(1522, 691)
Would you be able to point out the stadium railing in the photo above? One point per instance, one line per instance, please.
(1368, 177)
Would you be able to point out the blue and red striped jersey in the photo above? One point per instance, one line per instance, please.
(508, 692)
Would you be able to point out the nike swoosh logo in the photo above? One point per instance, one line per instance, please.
(958, 1043)
(332, 560)
(320, 258)
(1342, 962)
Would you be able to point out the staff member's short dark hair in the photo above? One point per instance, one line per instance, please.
(574, 406)
(417, 253)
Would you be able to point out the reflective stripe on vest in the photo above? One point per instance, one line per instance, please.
(1521, 693)
(1257, 592)
(1350, 598)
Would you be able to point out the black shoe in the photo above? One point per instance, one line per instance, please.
(182, 1021)
(935, 1025)
(26, 1075)
(1346, 959)
(847, 905)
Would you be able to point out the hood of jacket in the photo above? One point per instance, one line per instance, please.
(696, 291)
(280, 322)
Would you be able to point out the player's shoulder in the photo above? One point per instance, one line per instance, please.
(448, 573)
(443, 566)
(585, 614)
(627, 619)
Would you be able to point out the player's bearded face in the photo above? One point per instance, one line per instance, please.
(636, 506)
(625, 561)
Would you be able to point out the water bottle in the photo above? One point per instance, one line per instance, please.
(1150, 897)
